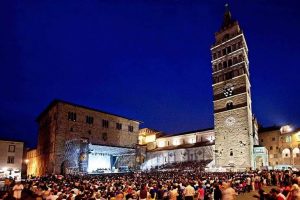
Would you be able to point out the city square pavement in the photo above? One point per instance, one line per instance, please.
(247, 196)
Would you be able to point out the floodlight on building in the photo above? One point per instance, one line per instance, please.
(211, 138)
(286, 129)
(26, 161)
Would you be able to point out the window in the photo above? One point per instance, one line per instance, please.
(235, 60)
(130, 128)
(241, 58)
(229, 49)
(233, 47)
(72, 116)
(105, 123)
(224, 52)
(11, 148)
(89, 120)
(229, 75)
(214, 56)
(10, 159)
(273, 139)
(271, 147)
(231, 153)
(215, 68)
(219, 54)
(261, 140)
(225, 64)
(118, 126)
(229, 62)
(288, 139)
(229, 106)
(239, 44)
(220, 66)
(286, 153)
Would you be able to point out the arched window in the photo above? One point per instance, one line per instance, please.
(231, 153)
(224, 64)
(229, 62)
(296, 152)
(286, 153)
(235, 60)
(220, 66)
(229, 105)
(241, 58)
(224, 51)
(229, 49)
(233, 47)
(214, 56)
(215, 67)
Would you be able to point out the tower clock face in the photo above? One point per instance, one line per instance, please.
(230, 121)
(228, 90)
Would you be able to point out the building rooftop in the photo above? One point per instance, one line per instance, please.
(188, 132)
(56, 101)
(183, 146)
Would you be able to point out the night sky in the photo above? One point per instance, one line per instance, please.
(144, 59)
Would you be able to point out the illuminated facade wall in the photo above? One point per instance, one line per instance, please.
(188, 146)
(283, 145)
(63, 121)
(32, 163)
(11, 158)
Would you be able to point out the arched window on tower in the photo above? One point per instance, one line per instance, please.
(214, 56)
(229, 62)
(235, 60)
(220, 66)
(224, 64)
(229, 105)
(231, 153)
(224, 51)
(215, 68)
(241, 58)
(229, 49)
(233, 47)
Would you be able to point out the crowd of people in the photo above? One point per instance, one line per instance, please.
(173, 184)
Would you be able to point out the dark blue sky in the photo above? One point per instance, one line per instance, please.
(148, 60)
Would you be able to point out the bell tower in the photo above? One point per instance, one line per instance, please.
(232, 97)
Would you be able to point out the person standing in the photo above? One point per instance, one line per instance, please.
(17, 190)
(228, 192)
(189, 192)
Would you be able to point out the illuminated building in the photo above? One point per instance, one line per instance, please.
(11, 159)
(283, 144)
(72, 136)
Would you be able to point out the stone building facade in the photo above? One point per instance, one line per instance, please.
(283, 145)
(11, 159)
(63, 123)
(32, 163)
(233, 120)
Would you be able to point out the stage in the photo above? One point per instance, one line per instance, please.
(109, 159)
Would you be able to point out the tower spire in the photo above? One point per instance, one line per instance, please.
(227, 17)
